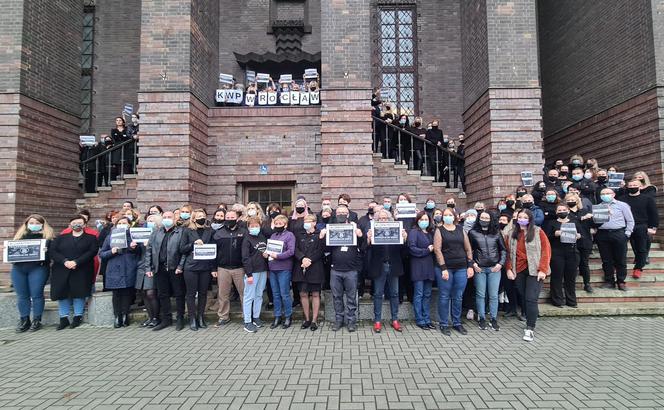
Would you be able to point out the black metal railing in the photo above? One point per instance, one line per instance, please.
(110, 165)
(399, 144)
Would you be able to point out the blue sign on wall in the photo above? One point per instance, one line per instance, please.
(263, 169)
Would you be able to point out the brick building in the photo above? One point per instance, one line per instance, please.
(526, 80)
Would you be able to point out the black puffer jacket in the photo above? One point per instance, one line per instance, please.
(488, 249)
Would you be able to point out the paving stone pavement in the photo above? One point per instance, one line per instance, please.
(589, 362)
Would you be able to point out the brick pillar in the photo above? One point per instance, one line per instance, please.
(179, 58)
(346, 154)
(502, 96)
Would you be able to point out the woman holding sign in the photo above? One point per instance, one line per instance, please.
(197, 268)
(72, 270)
(121, 266)
(420, 246)
(281, 268)
(563, 234)
(29, 278)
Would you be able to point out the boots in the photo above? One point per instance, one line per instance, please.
(192, 323)
(125, 322)
(36, 324)
(179, 325)
(76, 322)
(23, 324)
(163, 324)
(201, 323)
(118, 322)
(64, 323)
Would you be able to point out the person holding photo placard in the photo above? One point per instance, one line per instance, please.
(72, 271)
(121, 272)
(564, 257)
(197, 273)
(308, 270)
(29, 278)
(585, 244)
(612, 238)
(420, 247)
(281, 268)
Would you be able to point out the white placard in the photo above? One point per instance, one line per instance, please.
(304, 98)
(262, 78)
(527, 178)
(284, 98)
(262, 98)
(406, 210)
(226, 78)
(286, 78)
(340, 235)
(25, 250)
(205, 252)
(250, 100)
(600, 214)
(275, 246)
(311, 73)
(250, 76)
(119, 238)
(220, 96)
(88, 140)
(295, 97)
(387, 233)
(272, 98)
(615, 180)
(568, 233)
(140, 235)
(314, 97)
(234, 96)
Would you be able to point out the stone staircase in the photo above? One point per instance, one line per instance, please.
(109, 198)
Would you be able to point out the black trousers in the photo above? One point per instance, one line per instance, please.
(90, 181)
(151, 302)
(584, 269)
(640, 245)
(122, 300)
(564, 269)
(197, 282)
(468, 300)
(612, 246)
(529, 289)
(169, 284)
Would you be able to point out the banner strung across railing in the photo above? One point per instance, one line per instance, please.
(263, 98)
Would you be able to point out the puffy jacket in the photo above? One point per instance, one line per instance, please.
(488, 249)
(229, 247)
(252, 254)
(189, 236)
(121, 267)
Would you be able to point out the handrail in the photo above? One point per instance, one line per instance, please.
(93, 178)
(426, 141)
(107, 152)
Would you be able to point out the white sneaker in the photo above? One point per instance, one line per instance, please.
(470, 315)
(528, 335)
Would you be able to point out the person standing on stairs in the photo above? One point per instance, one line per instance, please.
(585, 244)
(612, 237)
(646, 222)
(564, 258)
(146, 285)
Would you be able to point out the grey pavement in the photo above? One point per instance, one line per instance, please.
(573, 363)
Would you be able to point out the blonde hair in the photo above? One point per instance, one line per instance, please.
(47, 231)
(576, 198)
(646, 180)
(192, 224)
(311, 218)
(259, 211)
(281, 218)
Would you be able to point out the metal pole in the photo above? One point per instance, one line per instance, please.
(411, 160)
(387, 142)
(122, 161)
(437, 164)
(96, 174)
(134, 171)
(398, 156)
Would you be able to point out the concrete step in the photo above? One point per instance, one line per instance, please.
(130, 176)
(409, 172)
(427, 179)
(90, 195)
(633, 294)
(604, 309)
(114, 183)
(105, 188)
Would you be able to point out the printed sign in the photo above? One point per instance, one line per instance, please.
(229, 95)
(226, 78)
(275, 246)
(26, 250)
(119, 238)
(568, 233)
(615, 180)
(340, 235)
(128, 109)
(314, 97)
(295, 97)
(600, 214)
(140, 235)
(262, 98)
(406, 210)
(250, 76)
(311, 73)
(262, 168)
(262, 78)
(304, 98)
(88, 140)
(527, 178)
(284, 98)
(271, 98)
(250, 99)
(205, 252)
(387, 233)
(286, 78)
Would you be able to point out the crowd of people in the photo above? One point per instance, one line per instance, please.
(404, 142)
(479, 259)
(287, 90)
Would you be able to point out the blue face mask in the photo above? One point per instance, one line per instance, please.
(502, 207)
(431, 205)
(550, 198)
(185, 215)
(423, 224)
(254, 231)
(448, 219)
(167, 222)
(35, 228)
(606, 198)
(151, 225)
(307, 226)
(387, 206)
(577, 177)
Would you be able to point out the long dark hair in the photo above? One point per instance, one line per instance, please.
(530, 231)
(419, 216)
(493, 225)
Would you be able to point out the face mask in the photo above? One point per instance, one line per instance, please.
(387, 206)
(484, 224)
(565, 188)
(523, 222)
(200, 221)
(299, 209)
(601, 179)
(274, 214)
(577, 177)
(254, 231)
(571, 204)
(576, 162)
(402, 122)
(151, 225)
(216, 226)
(502, 226)
(606, 198)
(527, 205)
(307, 226)
(370, 211)
(122, 226)
(438, 218)
(129, 217)
(167, 222)
(35, 228)
(451, 206)
(587, 175)
(77, 227)
(108, 142)
(342, 219)
(100, 225)
(448, 219)
(502, 207)
(423, 224)
(562, 215)
(279, 229)
(435, 127)
(520, 194)
(326, 220)
(418, 124)
(509, 202)
(550, 198)
(479, 211)
(470, 220)
(563, 173)
(185, 215)
(230, 224)
(431, 205)
(403, 201)
(553, 179)
(633, 190)
(251, 212)
(589, 165)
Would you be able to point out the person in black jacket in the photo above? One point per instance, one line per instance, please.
(164, 261)
(89, 169)
(308, 270)
(646, 222)
(584, 245)
(585, 186)
(385, 266)
(72, 271)
(229, 261)
(255, 267)
(564, 259)
(489, 254)
(418, 145)
(197, 272)
(420, 248)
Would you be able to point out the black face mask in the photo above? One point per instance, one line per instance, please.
(370, 211)
(326, 220)
(230, 224)
(520, 194)
(299, 209)
(342, 219)
(418, 124)
(484, 224)
(571, 204)
(279, 229)
(479, 211)
(451, 206)
(553, 179)
(274, 214)
(502, 226)
(200, 221)
(509, 203)
(562, 215)
(108, 142)
(563, 173)
(217, 221)
(527, 205)
(601, 179)
(632, 190)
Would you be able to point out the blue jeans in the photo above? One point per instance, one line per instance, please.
(29, 281)
(64, 306)
(421, 301)
(280, 283)
(487, 281)
(450, 290)
(393, 295)
(253, 294)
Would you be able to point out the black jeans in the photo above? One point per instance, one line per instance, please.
(169, 284)
(612, 246)
(509, 287)
(122, 300)
(564, 269)
(584, 269)
(529, 289)
(151, 302)
(197, 282)
(640, 245)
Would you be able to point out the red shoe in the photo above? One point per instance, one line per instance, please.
(636, 273)
(377, 327)
(396, 326)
